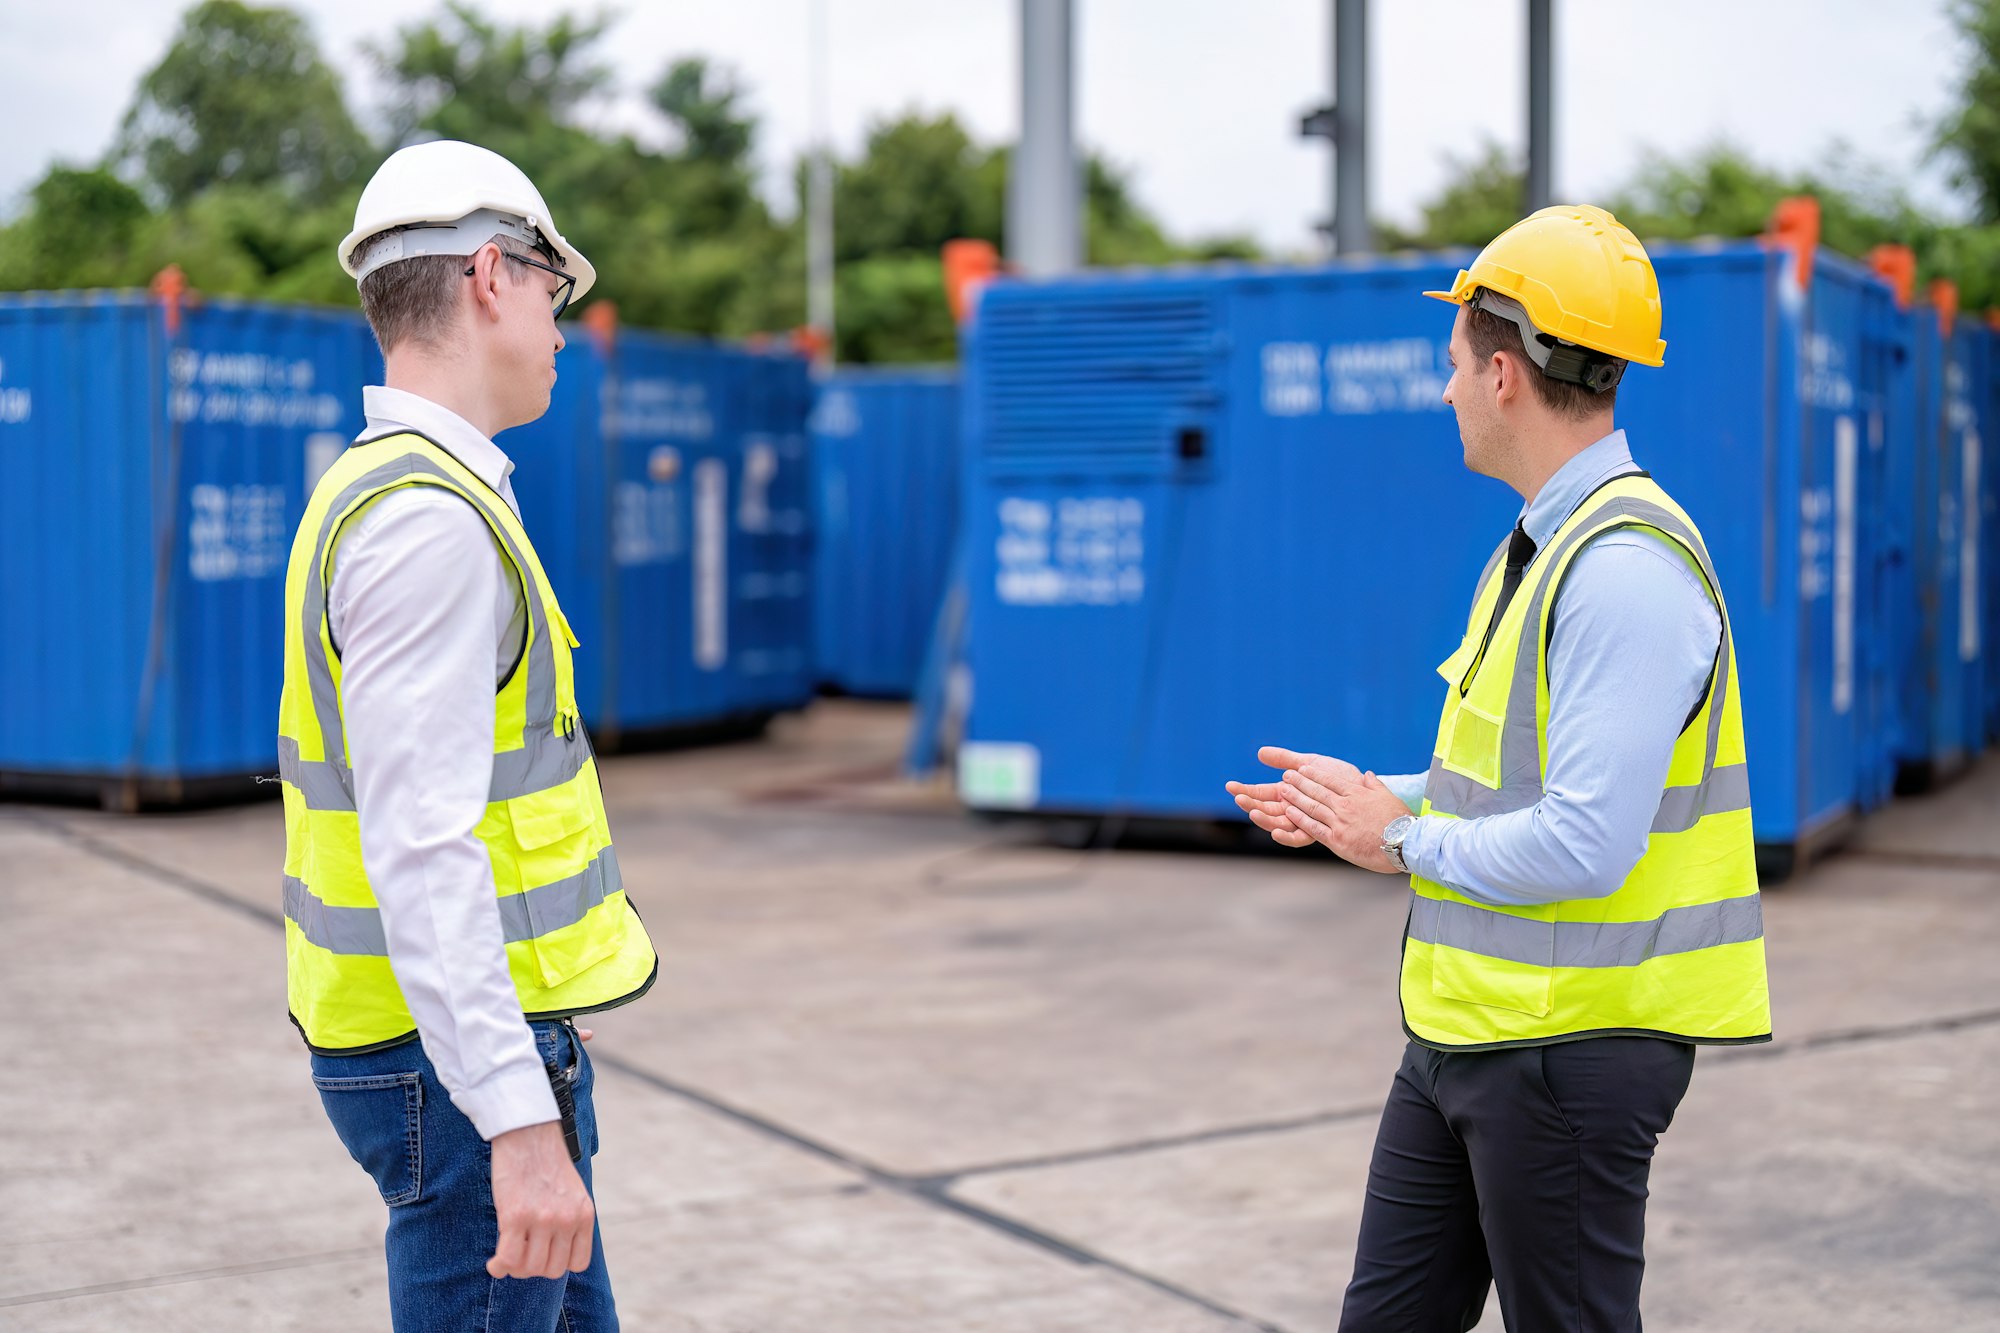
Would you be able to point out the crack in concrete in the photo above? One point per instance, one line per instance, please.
(932, 1190)
(1819, 1041)
(192, 1275)
(1165, 1142)
(1919, 858)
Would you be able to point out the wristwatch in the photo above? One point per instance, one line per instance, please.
(1392, 840)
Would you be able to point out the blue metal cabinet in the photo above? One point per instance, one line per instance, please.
(1215, 509)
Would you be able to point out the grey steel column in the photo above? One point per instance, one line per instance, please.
(1044, 184)
(1541, 122)
(819, 189)
(1351, 232)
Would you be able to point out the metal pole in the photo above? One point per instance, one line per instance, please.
(1044, 186)
(819, 190)
(1541, 123)
(1351, 232)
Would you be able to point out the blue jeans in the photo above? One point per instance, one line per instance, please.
(436, 1175)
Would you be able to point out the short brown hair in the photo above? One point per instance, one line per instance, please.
(1489, 333)
(413, 298)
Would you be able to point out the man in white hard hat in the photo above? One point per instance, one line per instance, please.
(452, 896)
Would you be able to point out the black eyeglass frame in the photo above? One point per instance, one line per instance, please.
(562, 294)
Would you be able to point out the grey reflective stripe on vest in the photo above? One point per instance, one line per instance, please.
(328, 784)
(546, 759)
(1726, 788)
(523, 916)
(1681, 808)
(1520, 746)
(1516, 939)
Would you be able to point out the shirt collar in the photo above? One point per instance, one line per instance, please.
(389, 410)
(1572, 483)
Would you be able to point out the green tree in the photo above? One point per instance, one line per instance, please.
(917, 185)
(79, 231)
(1970, 133)
(706, 105)
(462, 76)
(241, 97)
(1481, 199)
(711, 179)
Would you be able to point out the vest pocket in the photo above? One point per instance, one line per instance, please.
(1473, 747)
(1522, 980)
(566, 944)
(544, 818)
(566, 870)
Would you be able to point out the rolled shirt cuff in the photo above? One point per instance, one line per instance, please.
(1421, 846)
(513, 1096)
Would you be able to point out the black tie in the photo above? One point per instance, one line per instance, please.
(1520, 550)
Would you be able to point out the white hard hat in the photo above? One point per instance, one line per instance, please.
(433, 187)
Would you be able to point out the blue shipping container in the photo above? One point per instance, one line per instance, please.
(150, 482)
(1216, 509)
(1940, 486)
(666, 488)
(885, 448)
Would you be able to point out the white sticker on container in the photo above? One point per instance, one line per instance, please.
(657, 409)
(1823, 377)
(323, 449)
(999, 775)
(1968, 554)
(248, 389)
(1846, 455)
(1291, 379)
(711, 564)
(646, 524)
(1389, 375)
(760, 469)
(236, 532)
(1071, 551)
(836, 415)
(17, 404)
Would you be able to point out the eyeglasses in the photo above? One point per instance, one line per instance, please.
(560, 298)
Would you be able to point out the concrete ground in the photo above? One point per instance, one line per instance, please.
(904, 1071)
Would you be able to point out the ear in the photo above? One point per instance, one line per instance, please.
(486, 280)
(1510, 378)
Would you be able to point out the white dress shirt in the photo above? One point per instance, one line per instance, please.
(428, 621)
(1634, 638)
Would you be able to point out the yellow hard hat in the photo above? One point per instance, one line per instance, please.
(1580, 276)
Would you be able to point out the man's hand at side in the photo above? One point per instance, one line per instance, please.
(1325, 800)
(546, 1216)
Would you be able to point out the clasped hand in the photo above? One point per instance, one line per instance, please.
(1322, 800)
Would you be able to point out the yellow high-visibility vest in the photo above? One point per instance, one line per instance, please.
(1678, 950)
(574, 943)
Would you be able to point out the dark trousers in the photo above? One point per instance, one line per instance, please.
(1524, 1169)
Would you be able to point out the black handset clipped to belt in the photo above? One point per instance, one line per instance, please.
(562, 1083)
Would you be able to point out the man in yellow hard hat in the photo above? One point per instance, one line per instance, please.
(452, 895)
(1584, 908)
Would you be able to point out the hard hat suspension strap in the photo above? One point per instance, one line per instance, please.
(461, 237)
(1559, 360)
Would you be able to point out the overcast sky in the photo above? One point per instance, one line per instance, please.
(1198, 99)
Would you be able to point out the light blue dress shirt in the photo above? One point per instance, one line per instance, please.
(1634, 639)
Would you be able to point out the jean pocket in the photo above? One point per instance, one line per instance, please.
(379, 1118)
